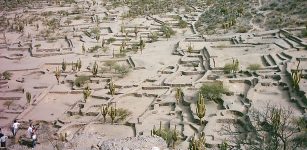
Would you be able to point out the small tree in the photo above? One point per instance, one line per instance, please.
(8, 104)
(29, 97)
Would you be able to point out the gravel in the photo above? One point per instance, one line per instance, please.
(134, 143)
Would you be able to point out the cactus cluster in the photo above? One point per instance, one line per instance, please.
(179, 95)
(170, 136)
(86, 93)
(111, 88)
(57, 74)
(198, 144)
(296, 76)
(95, 69)
(201, 108)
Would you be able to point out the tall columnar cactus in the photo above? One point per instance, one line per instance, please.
(86, 93)
(64, 65)
(111, 88)
(179, 95)
(136, 32)
(95, 69)
(83, 48)
(104, 112)
(296, 76)
(103, 42)
(73, 66)
(79, 64)
(235, 65)
(29, 97)
(201, 107)
(190, 48)
(142, 44)
(112, 114)
(57, 74)
(175, 137)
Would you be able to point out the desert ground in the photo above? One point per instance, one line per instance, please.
(92, 77)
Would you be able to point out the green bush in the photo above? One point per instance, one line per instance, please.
(212, 91)
(111, 40)
(81, 80)
(182, 24)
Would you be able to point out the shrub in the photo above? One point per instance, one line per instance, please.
(81, 80)
(7, 75)
(122, 114)
(94, 49)
(111, 40)
(304, 32)
(212, 91)
(254, 67)
(122, 69)
(8, 104)
(182, 24)
(228, 68)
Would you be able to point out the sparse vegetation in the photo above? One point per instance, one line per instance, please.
(8, 104)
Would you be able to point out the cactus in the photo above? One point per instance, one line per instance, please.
(201, 107)
(64, 65)
(57, 74)
(190, 48)
(112, 114)
(296, 76)
(136, 32)
(175, 137)
(86, 93)
(95, 69)
(103, 42)
(179, 95)
(104, 112)
(83, 48)
(79, 65)
(111, 88)
(97, 38)
(198, 144)
(29, 97)
(142, 45)
(73, 66)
